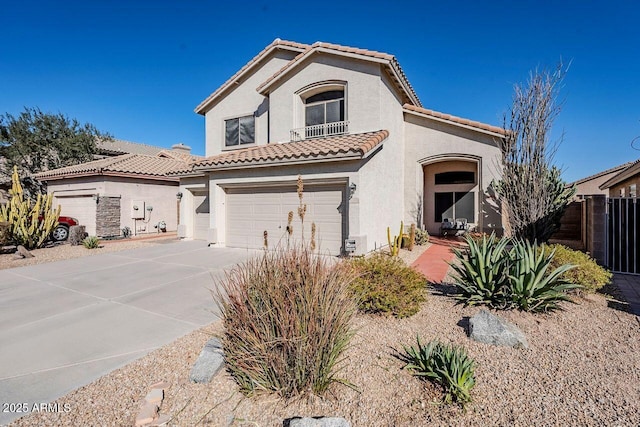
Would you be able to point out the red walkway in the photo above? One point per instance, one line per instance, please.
(434, 262)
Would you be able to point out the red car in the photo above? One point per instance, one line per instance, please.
(61, 232)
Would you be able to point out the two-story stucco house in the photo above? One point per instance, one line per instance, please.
(349, 123)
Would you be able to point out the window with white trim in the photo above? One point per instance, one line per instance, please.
(324, 107)
(239, 131)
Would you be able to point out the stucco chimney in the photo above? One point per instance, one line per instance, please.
(181, 148)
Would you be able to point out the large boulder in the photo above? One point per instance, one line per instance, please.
(209, 362)
(488, 328)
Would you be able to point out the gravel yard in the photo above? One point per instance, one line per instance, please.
(66, 251)
(582, 367)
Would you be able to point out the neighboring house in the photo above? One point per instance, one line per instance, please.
(349, 123)
(129, 190)
(590, 185)
(625, 183)
(116, 147)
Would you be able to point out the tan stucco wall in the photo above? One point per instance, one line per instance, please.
(615, 190)
(428, 142)
(158, 194)
(591, 187)
(241, 101)
(363, 94)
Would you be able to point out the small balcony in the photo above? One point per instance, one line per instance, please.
(319, 131)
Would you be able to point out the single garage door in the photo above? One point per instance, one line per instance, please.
(201, 215)
(82, 208)
(252, 211)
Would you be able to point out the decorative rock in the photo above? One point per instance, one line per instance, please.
(155, 396)
(209, 362)
(488, 328)
(24, 252)
(147, 414)
(318, 422)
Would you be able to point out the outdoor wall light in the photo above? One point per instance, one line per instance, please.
(179, 195)
(352, 189)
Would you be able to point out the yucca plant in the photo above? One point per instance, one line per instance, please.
(531, 288)
(91, 242)
(447, 365)
(482, 270)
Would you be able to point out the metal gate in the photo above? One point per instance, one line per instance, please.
(623, 245)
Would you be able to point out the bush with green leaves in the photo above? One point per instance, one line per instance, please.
(533, 285)
(91, 242)
(587, 273)
(447, 365)
(422, 237)
(387, 285)
(482, 271)
(522, 277)
(287, 317)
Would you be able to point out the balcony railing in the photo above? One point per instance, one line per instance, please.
(319, 131)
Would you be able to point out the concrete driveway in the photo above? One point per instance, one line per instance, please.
(65, 324)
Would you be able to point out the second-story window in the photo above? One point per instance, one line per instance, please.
(325, 107)
(238, 131)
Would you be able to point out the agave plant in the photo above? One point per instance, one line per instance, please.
(531, 288)
(449, 366)
(482, 271)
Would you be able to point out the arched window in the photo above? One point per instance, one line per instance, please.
(324, 111)
(324, 107)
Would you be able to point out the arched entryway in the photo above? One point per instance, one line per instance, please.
(451, 190)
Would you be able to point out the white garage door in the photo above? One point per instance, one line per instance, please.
(251, 211)
(200, 215)
(82, 208)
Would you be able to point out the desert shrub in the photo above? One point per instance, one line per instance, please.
(386, 285)
(91, 242)
(422, 237)
(533, 284)
(587, 272)
(489, 273)
(482, 271)
(77, 234)
(449, 366)
(287, 319)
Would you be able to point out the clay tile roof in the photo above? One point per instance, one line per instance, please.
(395, 71)
(453, 119)
(277, 43)
(118, 146)
(176, 155)
(139, 165)
(333, 147)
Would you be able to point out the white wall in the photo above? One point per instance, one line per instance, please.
(160, 195)
(428, 141)
(362, 93)
(244, 100)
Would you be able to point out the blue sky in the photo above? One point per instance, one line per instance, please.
(137, 69)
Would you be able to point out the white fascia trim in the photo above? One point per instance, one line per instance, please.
(449, 122)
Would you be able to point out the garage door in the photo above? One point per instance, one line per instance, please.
(251, 211)
(201, 215)
(82, 208)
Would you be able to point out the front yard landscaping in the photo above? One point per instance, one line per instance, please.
(581, 367)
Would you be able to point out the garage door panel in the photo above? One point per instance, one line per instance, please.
(83, 208)
(251, 211)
